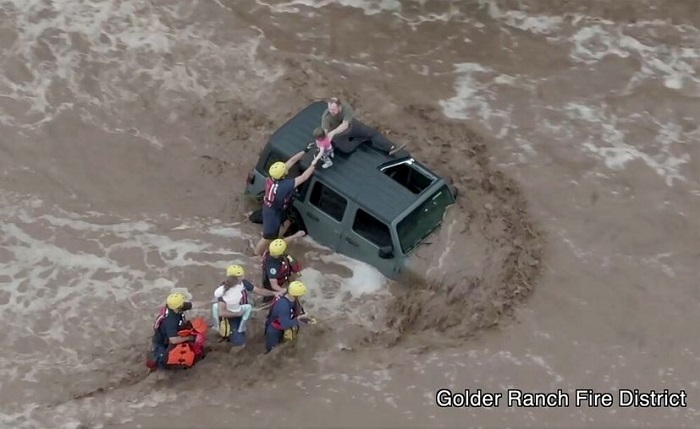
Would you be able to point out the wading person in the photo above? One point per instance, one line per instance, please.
(233, 307)
(278, 268)
(277, 200)
(282, 324)
(177, 343)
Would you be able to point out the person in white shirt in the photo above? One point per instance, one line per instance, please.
(232, 308)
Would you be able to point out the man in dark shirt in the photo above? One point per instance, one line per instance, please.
(167, 329)
(282, 322)
(339, 124)
(278, 197)
(277, 268)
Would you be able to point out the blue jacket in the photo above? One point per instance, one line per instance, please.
(282, 311)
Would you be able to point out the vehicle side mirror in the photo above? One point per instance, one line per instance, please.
(386, 252)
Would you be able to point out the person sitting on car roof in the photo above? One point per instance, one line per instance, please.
(339, 124)
(279, 193)
(278, 268)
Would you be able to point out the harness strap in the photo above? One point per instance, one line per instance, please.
(297, 309)
(161, 316)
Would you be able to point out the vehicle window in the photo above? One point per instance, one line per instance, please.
(410, 176)
(295, 171)
(328, 201)
(371, 228)
(424, 219)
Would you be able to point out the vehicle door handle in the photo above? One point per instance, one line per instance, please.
(312, 216)
(351, 242)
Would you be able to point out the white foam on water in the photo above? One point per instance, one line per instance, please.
(228, 232)
(675, 65)
(365, 278)
(101, 56)
(369, 7)
(584, 255)
(61, 270)
(617, 151)
(358, 298)
(539, 360)
(467, 99)
(478, 90)
(658, 261)
(51, 272)
(436, 271)
(21, 420)
(538, 24)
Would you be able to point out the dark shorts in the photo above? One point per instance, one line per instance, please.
(273, 337)
(235, 337)
(160, 353)
(272, 221)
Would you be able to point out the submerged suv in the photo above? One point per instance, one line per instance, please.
(369, 205)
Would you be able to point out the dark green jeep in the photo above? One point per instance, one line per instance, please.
(369, 205)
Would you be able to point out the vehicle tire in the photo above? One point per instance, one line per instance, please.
(256, 217)
(259, 197)
(297, 222)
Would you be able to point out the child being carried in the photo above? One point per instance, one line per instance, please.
(325, 147)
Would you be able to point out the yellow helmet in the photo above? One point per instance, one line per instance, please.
(297, 289)
(278, 247)
(235, 271)
(278, 170)
(175, 301)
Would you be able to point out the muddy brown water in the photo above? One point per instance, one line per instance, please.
(570, 261)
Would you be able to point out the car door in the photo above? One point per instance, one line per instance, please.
(324, 213)
(364, 235)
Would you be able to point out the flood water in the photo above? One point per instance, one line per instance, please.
(127, 129)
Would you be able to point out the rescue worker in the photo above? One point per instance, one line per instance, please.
(278, 268)
(282, 324)
(277, 200)
(177, 343)
(233, 308)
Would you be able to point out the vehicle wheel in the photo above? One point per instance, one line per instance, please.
(297, 223)
(256, 217)
(455, 191)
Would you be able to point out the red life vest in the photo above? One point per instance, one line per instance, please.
(288, 267)
(163, 314)
(270, 196)
(296, 311)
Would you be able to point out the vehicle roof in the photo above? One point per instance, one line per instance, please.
(355, 175)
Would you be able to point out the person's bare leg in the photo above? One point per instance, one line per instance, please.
(285, 226)
(261, 246)
(294, 236)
